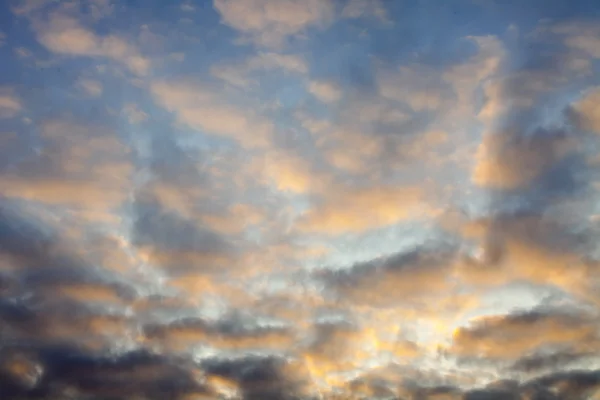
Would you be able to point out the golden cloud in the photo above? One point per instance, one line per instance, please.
(587, 110)
(353, 210)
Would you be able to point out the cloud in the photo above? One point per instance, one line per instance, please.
(90, 179)
(231, 332)
(365, 8)
(146, 374)
(10, 104)
(587, 110)
(69, 294)
(65, 35)
(507, 161)
(349, 149)
(201, 109)
(91, 87)
(322, 209)
(418, 86)
(174, 243)
(187, 7)
(579, 35)
(134, 114)
(509, 337)
(242, 74)
(467, 77)
(288, 173)
(326, 92)
(81, 166)
(391, 279)
(527, 248)
(270, 22)
(343, 209)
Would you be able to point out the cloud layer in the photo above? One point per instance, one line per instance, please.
(309, 200)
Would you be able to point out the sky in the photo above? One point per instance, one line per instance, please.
(300, 199)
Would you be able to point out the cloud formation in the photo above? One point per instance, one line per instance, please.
(307, 200)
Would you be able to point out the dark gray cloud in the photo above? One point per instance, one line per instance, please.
(69, 373)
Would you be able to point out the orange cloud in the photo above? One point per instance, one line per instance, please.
(587, 110)
(515, 250)
(353, 210)
(201, 109)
